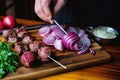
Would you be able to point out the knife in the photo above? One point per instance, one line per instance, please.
(59, 26)
(28, 27)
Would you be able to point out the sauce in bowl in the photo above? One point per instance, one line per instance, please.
(105, 32)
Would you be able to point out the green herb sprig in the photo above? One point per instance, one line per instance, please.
(8, 59)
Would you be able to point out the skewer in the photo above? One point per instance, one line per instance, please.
(60, 26)
(57, 62)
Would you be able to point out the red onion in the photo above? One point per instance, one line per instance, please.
(69, 40)
(74, 39)
(85, 40)
(72, 29)
(58, 45)
(52, 27)
(85, 50)
(9, 22)
(58, 33)
(1, 25)
(44, 31)
(81, 33)
(48, 39)
(92, 51)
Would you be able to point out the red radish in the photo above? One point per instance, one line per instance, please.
(9, 22)
(1, 25)
(1, 19)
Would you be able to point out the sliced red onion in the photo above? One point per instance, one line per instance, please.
(53, 27)
(58, 45)
(92, 51)
(85, 40)
(85, 50)
(44, 31)
(69, 40)
(75, 47)
(81, 33)
(49, 39)
(72, 29)
(58, 33)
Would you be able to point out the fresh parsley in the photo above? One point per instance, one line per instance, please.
(8, 59)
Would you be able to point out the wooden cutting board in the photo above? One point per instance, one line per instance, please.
(68, 58)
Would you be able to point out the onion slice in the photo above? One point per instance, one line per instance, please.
(58, 45)
(81, 33)
(69, 40)
(58, 33)
(72, 29)
(49, 39)
(85, 40)
(85, 50)
(44, 31)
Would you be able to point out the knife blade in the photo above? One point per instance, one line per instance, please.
(59, 26)
(30, 27)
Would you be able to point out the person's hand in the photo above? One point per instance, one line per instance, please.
(42, 9)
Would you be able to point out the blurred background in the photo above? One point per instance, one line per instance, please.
(18, 8)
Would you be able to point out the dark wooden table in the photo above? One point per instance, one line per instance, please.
(108, 71)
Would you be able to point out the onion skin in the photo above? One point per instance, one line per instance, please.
(9, 22)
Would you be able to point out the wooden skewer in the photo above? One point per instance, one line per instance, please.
(60, 26)
(57, 62)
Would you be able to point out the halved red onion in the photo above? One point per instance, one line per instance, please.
(44, 31)
(48, 39)
(58, 33)
(58, 45)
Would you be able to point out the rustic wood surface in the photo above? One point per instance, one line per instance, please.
(100, 71)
